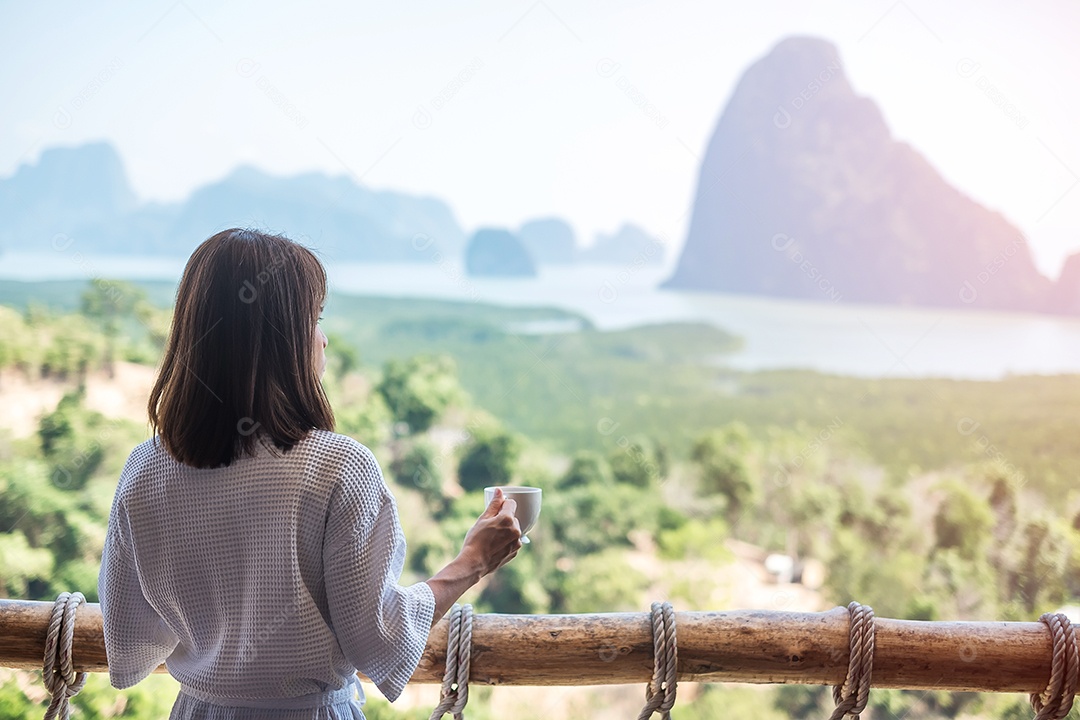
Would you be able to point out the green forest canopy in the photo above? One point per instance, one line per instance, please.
(927, 499)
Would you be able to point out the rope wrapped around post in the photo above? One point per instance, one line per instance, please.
(660, 692)
(455, 685)
(1056, 700)
(57, 672)
(851, 697)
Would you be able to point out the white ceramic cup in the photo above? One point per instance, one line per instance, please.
(528, 504)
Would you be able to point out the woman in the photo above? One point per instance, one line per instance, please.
(249, 546)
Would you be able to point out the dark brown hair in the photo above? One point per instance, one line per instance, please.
(241, 354)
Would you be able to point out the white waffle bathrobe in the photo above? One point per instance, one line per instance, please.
(265, 585)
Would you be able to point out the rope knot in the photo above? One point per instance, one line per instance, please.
(851, 697)
(455, 686)
(57, 671)
(1056, 700)
(660, 692)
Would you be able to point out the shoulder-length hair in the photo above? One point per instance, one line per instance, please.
(241, 358)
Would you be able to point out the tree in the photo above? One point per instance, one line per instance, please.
(12, 333)
(69, 441)
(490, 458)
(586, 469)
(418, 469)
(108, 302)
(367, 419)
(1041, 554)
(600, 582)
(888, 578)
(722, 457)
(20, 563)
(589, 518)
(799, 701)
(419, 390)
(1003, 506)
(637, 463)
(341, 357)
(516, 588)
(69, 346)
(963, 521)
(809, 509)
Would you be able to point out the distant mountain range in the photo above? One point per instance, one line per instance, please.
(552, 241)
(81, 194)
(803, 193)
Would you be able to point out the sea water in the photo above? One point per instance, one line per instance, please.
(847, 339)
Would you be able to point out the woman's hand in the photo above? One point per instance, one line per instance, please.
(491, 543)
(496, 537)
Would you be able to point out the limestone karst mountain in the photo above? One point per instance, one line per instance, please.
(498, 252)
(803, 193)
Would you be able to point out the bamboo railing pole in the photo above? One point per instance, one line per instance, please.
(753, 646)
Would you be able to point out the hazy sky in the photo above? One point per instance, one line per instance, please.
(516, 109)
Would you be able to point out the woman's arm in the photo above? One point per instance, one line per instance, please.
(381, 626)
(136, 639)
(491, 543)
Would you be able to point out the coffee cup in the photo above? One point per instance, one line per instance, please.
(528, 504)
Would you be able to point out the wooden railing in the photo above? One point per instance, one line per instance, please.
(752, 646)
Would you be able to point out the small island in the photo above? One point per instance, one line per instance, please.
(498, 253)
